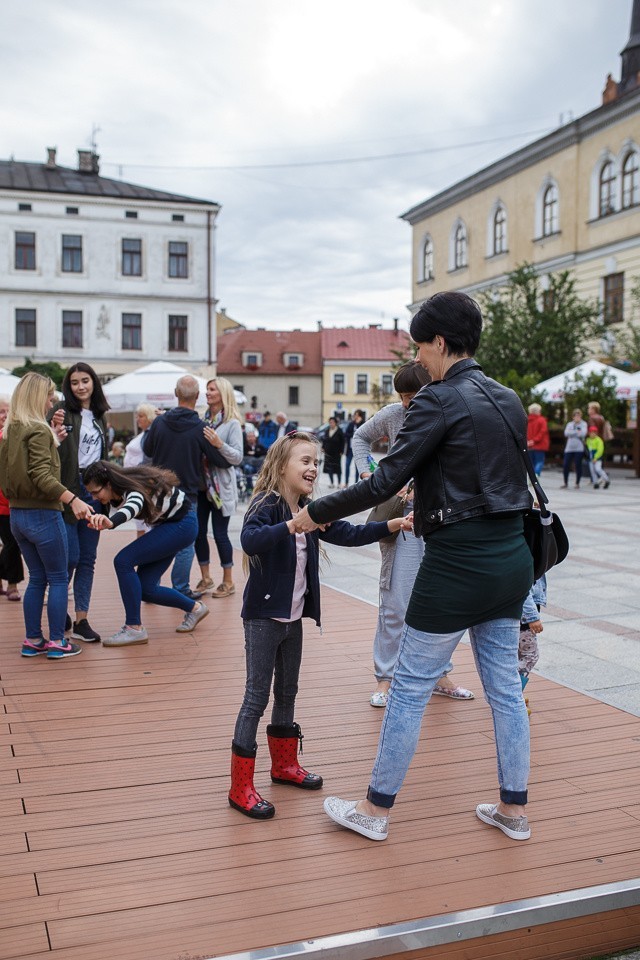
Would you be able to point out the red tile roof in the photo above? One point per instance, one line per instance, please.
(272, 344)
(366, 343)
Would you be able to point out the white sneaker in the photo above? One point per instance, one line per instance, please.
(126, 637)
(193, 618)
(344, 813)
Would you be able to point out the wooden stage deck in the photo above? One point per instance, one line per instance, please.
(117, 840)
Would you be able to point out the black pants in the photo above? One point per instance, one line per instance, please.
(11, 568)
(274, 652)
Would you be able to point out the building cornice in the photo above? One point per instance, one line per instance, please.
(548, 146)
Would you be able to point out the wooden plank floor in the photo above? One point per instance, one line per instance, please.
(116, 839)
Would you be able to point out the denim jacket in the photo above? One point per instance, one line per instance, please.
(265, 536)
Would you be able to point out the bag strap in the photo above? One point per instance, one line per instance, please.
(541, 496)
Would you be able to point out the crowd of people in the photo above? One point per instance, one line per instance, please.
(447, 510)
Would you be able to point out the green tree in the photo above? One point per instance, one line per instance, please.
(378, 398)
(600, 387)
(49, 369)
(625, 342)
(531, 332)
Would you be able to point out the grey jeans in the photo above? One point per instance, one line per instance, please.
(394, 600)
(273, 652)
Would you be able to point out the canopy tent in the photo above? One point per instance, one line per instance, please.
(627, 384)
(155, 383)
(8, 382)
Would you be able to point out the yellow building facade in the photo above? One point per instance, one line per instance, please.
(569, 201)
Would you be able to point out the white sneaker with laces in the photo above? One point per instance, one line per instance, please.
(126, 637)
(193, 618)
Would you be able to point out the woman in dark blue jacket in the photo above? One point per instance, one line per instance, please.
(282, 587)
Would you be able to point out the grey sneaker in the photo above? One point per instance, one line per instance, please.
(126, 637)
(344, 813)
(515, 827)
(192, 619)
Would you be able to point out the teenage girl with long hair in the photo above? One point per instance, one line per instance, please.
(85, 406)
(219, 499)
(152, 495)
(282, 587)
(30, 478)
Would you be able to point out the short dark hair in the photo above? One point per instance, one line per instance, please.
(453, 316)
(98, 403)
(410, 377)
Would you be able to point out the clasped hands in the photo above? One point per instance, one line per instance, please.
(302, 523)
(99, 521)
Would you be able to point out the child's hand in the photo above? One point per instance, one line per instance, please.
(302, 522)
(536, 626)
(399, 523)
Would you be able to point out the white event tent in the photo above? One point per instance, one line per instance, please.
(8, 382)
(154, 383)
(627, 384)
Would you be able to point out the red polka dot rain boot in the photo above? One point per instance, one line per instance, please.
(283, 747)
(243, 796)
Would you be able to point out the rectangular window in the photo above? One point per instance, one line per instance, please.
(71, 253)
(178, 333)
(177, 217)
(362, 383)
(293, 360)
(548, 301)
(252, 359)
(132, 258)
(24, 206)
(613, 297)
(294, 396)
(72, 328)
(178, 259)
(132, 331)
(131, 214)
(25, 328)
(73, 211)
(25, 258)
(386, 385)
(338, 383)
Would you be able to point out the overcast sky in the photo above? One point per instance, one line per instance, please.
(214, 98)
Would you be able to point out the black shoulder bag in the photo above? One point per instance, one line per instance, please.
(543, 530)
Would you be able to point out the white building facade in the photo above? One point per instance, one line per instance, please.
(103, 271)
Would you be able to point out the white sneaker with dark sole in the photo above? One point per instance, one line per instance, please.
(344, 813)
(517, 828)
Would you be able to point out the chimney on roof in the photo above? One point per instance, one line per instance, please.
(51, 158)
(395, 325)
(319, 322)
(88, 161)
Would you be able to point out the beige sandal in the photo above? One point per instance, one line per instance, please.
(223, 590)
(203, 585)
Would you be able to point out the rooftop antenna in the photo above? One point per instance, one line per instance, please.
(95, 130)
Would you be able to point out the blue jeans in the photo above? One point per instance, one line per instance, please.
(181, 571)
(220, 527)
(273, 652)
(41, 537)
(82, 548)
(347, 467)
(537, 460)
(421, 661)
(152, 556)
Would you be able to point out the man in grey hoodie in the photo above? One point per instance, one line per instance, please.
(177, 441)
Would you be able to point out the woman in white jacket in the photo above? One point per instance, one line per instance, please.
(220, 497)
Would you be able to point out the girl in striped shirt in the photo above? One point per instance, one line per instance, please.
(152, 495)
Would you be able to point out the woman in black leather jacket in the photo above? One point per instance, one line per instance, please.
(470, 494)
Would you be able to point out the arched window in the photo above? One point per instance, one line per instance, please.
(460, 247)
(550, 211)
(500, 231)
(607, 189)
(630, 180)
(427, 259)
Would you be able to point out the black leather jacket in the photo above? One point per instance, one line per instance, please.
(459, 450)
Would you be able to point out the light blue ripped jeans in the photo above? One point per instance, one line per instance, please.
(421, 661)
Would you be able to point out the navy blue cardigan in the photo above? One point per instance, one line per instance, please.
(265, 535)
